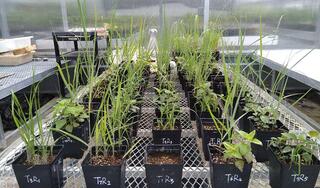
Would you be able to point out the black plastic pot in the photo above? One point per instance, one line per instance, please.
(210, 135)
(228, 175)
(158, 113)
(95, 103)
(204, 115)
(134, 118)
(104, 176)
(182, 76)
(163, 175)
(192, 105)
(244, 123)
(285, 175)
(260, 152)
(217, 78)
(72, 147)
(188, 87)
(40, 176)
(215, 56)
(166, 136)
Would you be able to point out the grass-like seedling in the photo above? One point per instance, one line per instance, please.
(31, 130)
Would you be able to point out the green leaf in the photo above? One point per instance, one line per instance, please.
(287, 149)
(248, 157)
(239, 164)
(69, 128)
(244, 148)
(313, 134)
(256, 141)
(60, 123)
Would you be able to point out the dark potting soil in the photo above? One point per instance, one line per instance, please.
(218, 159)
(39, 161)
(209, 127)
(106, 160)
(163, 158)
(158, 127)
(278, 129)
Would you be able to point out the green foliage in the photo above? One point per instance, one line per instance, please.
(206, 98)
(295, 148)
(265, 117)
(69, 115)
(239, 148)
(168, 103)
(30, 127)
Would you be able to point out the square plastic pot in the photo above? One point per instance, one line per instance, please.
(228, 175)
(72, 147)
(285, 175)
(40, 176)
(104, 176)
(166, 136)
(210, 135)
(164, 175)
(260, 152)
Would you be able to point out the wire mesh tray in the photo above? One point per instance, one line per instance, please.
(196, 172)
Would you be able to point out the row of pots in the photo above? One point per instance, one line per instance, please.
(227, 175)
(50, 175)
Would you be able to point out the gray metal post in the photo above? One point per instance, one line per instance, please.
(64, 14)
(4, 22)
(2, 137)
(161, 16)
(317, 39)
(206, 9)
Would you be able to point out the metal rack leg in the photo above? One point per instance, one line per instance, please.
(2, 137)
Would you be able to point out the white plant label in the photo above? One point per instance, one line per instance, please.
(165, 180)
(299, 178)
(166, 141)
(215, 141)
(67, 140)
(32, 179)
(233, 178)
(102, 181)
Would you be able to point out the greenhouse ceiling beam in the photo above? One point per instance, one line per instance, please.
(64, 13)
(206, 14)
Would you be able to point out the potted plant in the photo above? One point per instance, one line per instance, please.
(292, 160)
(231, 162)
(71, 124)
(41, 164)
(167, 127)
(212, 133)
(163, 164)
(206, 102)
(104, 165)
(264, 120)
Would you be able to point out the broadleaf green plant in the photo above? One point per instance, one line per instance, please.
(239, 148)
(295, 148)
(69, 115)
(167, 102)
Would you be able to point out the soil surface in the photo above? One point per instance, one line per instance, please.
(163, 158)
(209, 127)
(158, 127)
(218, 159)
(106, 160)
(38, 161)
(278, 129)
